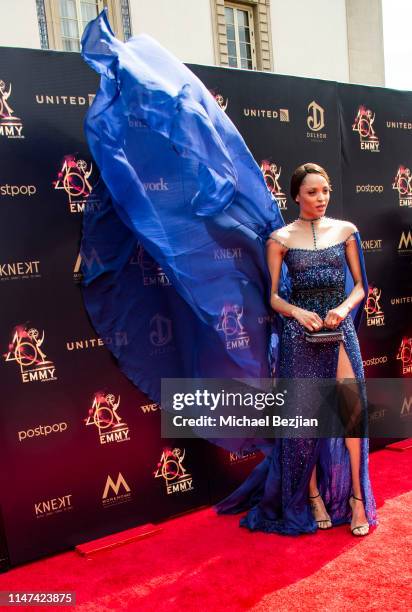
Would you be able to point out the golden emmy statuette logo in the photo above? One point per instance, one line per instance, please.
(26, 350)
(103, 415)
(316, 117)
(117, 497)
(364, 126)
(152, 273)
(374, 312)
(10, 125)
(405, 355)
(230, 323)
(73, 178)
(403, 185)
(171, 469)
(271, 173)
(220, 100)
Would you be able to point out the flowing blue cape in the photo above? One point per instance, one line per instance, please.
(175, 274)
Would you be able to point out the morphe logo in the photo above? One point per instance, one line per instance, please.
(10, 125)
(364, 126)
(117, 497)
(26, 350)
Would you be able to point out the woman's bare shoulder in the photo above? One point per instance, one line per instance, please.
(346, 228)
(282, 234)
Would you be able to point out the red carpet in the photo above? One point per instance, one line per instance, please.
(204, 562)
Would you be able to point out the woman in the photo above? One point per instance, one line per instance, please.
(314, 247)
(178, 178)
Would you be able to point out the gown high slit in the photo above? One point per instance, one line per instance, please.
(276, 492)
(176, 246)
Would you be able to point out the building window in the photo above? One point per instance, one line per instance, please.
(241, 32)
(74, 16)
(240, 37)
(62, 22)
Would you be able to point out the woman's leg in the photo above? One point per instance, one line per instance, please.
(345, 371)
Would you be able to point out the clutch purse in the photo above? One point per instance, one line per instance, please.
(324, 336)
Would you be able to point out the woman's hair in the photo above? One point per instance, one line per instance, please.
(300, 173)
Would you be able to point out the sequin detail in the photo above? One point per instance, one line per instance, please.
(276, 492)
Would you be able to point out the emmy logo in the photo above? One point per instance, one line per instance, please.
(316, 117)
(230, 323)
(271, 173)
(220, 100)
(73, 178)
(402, 184)
(152, 273)
(405, 355)
(10, 125)
(364, 126)
(374, 313)
(25, 349)
(103, 414)
(174, 474)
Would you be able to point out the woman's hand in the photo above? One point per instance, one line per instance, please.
(335, 316)
(310, 320)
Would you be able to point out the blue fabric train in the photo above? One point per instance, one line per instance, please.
(174, 256)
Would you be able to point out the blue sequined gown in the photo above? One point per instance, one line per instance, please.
(276, 492)
(180, 186)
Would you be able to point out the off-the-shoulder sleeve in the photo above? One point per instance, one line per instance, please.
(350, 232)
(276, 239)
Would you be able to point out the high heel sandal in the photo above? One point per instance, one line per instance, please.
(358, 530)
(327, 520)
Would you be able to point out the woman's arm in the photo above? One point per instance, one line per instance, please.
(336, 315)
(274, 255)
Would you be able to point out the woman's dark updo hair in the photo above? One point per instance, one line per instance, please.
(300, 173)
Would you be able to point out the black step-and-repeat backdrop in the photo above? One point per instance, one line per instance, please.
(80, 450)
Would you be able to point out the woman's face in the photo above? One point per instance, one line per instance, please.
(313, 196)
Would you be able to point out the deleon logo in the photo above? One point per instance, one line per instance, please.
(103, 415)
(271, 173)
(152, 273)
(10, 125)
(402, 184)
(230, 323)
(174, 474)
(160, 335)
(26, 350)
(405, 355)
(73, 177)
(316, 121)
(117, 497)
(364, 126)
(374, 312)
(220, 99)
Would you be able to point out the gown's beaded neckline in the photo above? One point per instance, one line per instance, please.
(312, 250)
